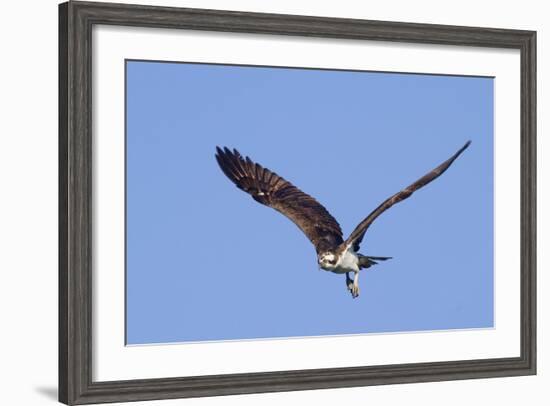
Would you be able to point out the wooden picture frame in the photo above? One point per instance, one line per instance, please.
(76, 20)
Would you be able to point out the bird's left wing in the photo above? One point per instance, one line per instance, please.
(357, 235)
(268, 188)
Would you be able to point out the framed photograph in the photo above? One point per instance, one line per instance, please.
(257, 202)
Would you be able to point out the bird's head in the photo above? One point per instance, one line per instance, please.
(327, 260)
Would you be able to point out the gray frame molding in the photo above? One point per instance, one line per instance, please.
(75, 171)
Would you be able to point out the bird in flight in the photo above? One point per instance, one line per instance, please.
(334, 254)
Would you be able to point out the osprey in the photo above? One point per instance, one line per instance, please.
(333, 253)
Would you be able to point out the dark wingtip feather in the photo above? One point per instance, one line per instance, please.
(445, 165)
(218, 154)
(461, 150)
(225, 154)
(226, 169)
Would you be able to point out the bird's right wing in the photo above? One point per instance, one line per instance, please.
(268, 188)
(357, 235)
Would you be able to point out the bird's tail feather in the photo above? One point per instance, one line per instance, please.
(368, 261)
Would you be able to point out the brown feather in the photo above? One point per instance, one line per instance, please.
(357, 235)
(270, 189)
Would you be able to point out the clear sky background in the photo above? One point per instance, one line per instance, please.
(206, 262)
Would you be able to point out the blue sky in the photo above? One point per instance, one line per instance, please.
(206, 262)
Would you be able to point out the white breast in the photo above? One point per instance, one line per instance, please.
(348, 262)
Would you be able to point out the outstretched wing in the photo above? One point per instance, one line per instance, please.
(357, 235)
(268, 188)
